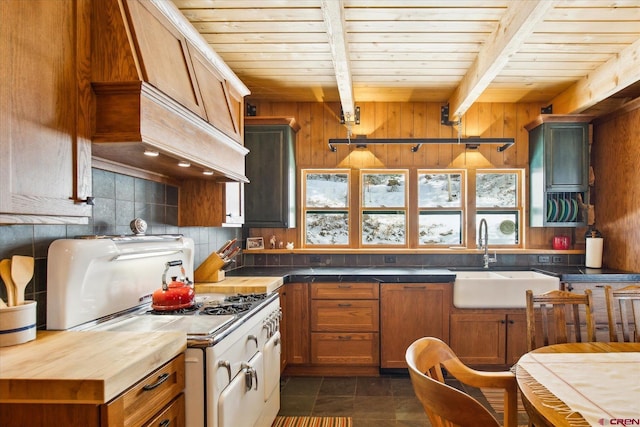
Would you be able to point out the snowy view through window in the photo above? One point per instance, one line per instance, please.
(329, 192)
(384, 208)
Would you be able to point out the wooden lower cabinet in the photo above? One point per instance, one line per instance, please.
(491, 337)
(345, 321)
(410, 311)
(295, 313)
(156, 400)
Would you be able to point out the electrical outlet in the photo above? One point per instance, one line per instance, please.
(557, 259)
(390, 259)
(543, 259)
(314, 258)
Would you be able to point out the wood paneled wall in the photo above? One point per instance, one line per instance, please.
(615, 156)
(321, 121)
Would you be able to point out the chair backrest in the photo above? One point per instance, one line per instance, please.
(628, 303)
(445, 405)
(554, 306)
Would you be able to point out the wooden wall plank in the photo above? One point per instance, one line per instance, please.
(320, 121)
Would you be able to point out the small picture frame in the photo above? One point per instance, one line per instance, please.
(255, 243)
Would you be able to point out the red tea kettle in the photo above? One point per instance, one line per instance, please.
(173, 295)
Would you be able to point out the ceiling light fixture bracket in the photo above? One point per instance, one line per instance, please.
(444, 117)
(348, 119)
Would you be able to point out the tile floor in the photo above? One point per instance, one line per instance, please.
(385, 401)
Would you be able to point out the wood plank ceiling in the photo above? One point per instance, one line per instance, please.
(579, 55)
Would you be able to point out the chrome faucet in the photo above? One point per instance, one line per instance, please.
(483, 241)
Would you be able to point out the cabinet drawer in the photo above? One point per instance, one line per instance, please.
(344, 290)
(345, 316)
(173, 415)
(147, 397)
(345, 349)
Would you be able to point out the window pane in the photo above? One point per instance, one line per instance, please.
(327, 228)
(381, 190)
(327, 190)
(439, 190)
(502, 227)
(383, 227)
(442, 228)
(496, 190)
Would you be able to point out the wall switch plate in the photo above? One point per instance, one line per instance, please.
(389, 259)
(543, 259)
(557, 259)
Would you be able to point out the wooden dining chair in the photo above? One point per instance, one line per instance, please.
(447, 406)
(553, 307)
(628, 307)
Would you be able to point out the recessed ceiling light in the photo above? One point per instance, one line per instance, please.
(151, 153)
(207, 173)
(184, 164)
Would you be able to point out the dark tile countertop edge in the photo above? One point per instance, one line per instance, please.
(571, 274)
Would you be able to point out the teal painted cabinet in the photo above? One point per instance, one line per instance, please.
(559, 170)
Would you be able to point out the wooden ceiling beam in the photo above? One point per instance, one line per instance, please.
(333, 14)
(515, 26)
(611, 77)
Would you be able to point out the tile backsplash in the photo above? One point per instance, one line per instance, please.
(118, 200)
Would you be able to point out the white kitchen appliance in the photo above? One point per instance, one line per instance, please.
(233, 341)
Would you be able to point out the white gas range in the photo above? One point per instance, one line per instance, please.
(233, 341)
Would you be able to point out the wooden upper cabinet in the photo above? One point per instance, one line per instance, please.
(45, 145)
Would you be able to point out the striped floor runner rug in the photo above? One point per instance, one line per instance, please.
(312, 422)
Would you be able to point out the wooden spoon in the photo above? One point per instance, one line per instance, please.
(21, 273)
(5, 273)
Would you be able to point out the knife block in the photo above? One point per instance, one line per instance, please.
(210, 270)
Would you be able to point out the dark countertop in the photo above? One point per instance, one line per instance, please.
(425, 275)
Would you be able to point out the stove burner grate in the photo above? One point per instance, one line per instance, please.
(233, 308)
(245, 298)
(187, 310)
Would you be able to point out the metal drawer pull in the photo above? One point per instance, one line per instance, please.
(225, 364)
(344, 305)
(162, 378)
(415, 287)
(165, 423)
(344, 337)
(344, 286)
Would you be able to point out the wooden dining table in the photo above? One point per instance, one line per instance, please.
(581, 384)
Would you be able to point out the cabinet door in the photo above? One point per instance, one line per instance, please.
(297, 339)
(45, 136)
(566, 156)
(516, 337)
(234, 204)
(270, 167)
(479, 338)
(408, 312)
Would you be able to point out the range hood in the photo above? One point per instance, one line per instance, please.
(160, 89)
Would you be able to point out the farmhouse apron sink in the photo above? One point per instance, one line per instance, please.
(499, 289)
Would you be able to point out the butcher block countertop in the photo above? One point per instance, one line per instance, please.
(82, 367)
(244, 285)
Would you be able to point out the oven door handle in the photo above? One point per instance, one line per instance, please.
(253, 338)
(225, 364)
(250, 374)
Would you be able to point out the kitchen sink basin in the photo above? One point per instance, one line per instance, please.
(499, 289)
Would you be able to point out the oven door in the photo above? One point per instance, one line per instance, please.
(241, 402)
(272, 350)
